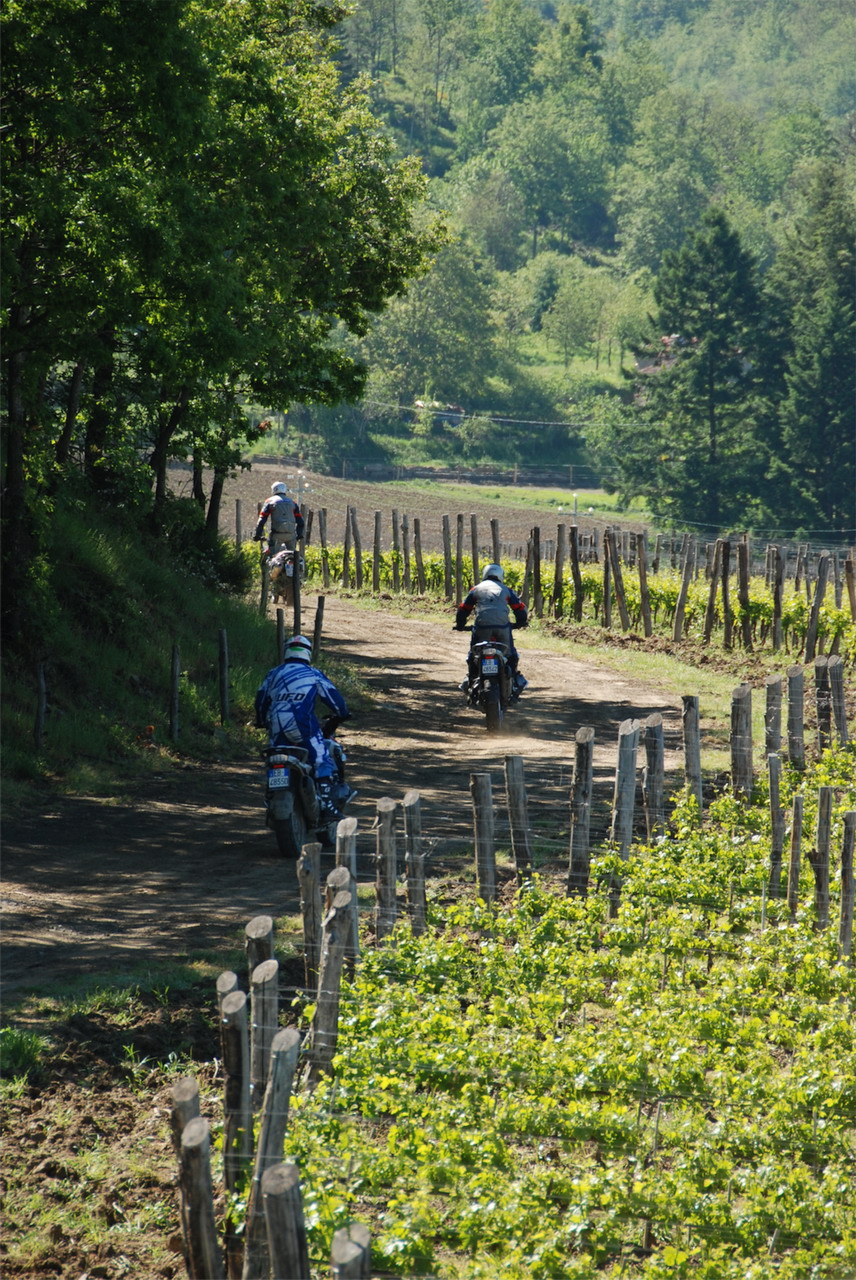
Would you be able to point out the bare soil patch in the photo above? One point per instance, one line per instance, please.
(92, 885)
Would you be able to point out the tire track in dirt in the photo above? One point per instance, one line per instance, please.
(181, 865)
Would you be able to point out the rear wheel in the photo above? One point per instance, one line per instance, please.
(290, 832)
(493, 708)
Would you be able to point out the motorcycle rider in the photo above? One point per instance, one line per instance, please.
(286, 520)
(492, 600)
(286, 707)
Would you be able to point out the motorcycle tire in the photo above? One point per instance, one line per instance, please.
(493, 709)
(290, 833)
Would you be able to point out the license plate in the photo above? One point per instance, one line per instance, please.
(277, 778)
(490, 667)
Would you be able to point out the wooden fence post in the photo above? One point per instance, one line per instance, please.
(823, 703)
(741, 740)
(239, 527)
(773, 715)
(237, 1104)
(575, 573)
(338, 935)
(819, 856)
(185, 1107)
(346, 856)
(288, 1247)
(414, 861)
(743, 592)
(284, 1051)
(644, 594)
(317, 628)
(482, 797)
(796, 698)
(350, 1254)
(227, 982)
(417, 552)
(280, 634)
(494, 540)
(653, 776)
(447, 558)
(264, 1006)
(518, 813)
(778, 588)
(835, 670)
(607, 582)
(850, 582)
(346, 551)
(814, 615)
(710, 612)
(376, 552)
(537, 592)
(795, 855)
(258, 941)
(624, 797)
(405, 553)
(692, 748)
(559, 570)
(581, 795)
(386, 911)
(204, 1258)
(325, 552)
(777, 824)
(265, 587)
(617, 579)
(396, 553)
(309, 879)
(474, 546)
(358, 550)
(845, 924)
(459, 558)
(728, 625)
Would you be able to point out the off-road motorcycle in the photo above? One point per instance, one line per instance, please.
(280, 566)
(298, 808)
(490, 685)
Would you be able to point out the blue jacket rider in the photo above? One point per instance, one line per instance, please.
(492, 600)
(285, 706)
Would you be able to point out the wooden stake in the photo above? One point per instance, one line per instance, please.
(482, 797)
(518, 813)
(581, 797)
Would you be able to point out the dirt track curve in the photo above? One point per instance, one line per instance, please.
(93, 884)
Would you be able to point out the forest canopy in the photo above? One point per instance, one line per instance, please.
(218, 213)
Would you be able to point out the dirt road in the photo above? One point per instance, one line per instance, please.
(92, 884)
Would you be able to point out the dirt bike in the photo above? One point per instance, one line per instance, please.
(296, 807)
(281, 573)
(490, 685)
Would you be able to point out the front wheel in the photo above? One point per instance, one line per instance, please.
(290, 833)
(493, 708)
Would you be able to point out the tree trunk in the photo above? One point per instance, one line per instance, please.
(160, 453)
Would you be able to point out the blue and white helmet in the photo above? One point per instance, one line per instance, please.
(298, 647)
(494, 571)
(278, 487)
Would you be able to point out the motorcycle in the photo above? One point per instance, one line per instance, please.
(296, 809)
(490, 685)
(280, 566)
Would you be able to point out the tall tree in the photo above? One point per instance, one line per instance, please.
(698, 408)
(812, 294)
(192, 203)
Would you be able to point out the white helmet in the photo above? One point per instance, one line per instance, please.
(298, 647)
(494, 571)
(278, 487)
